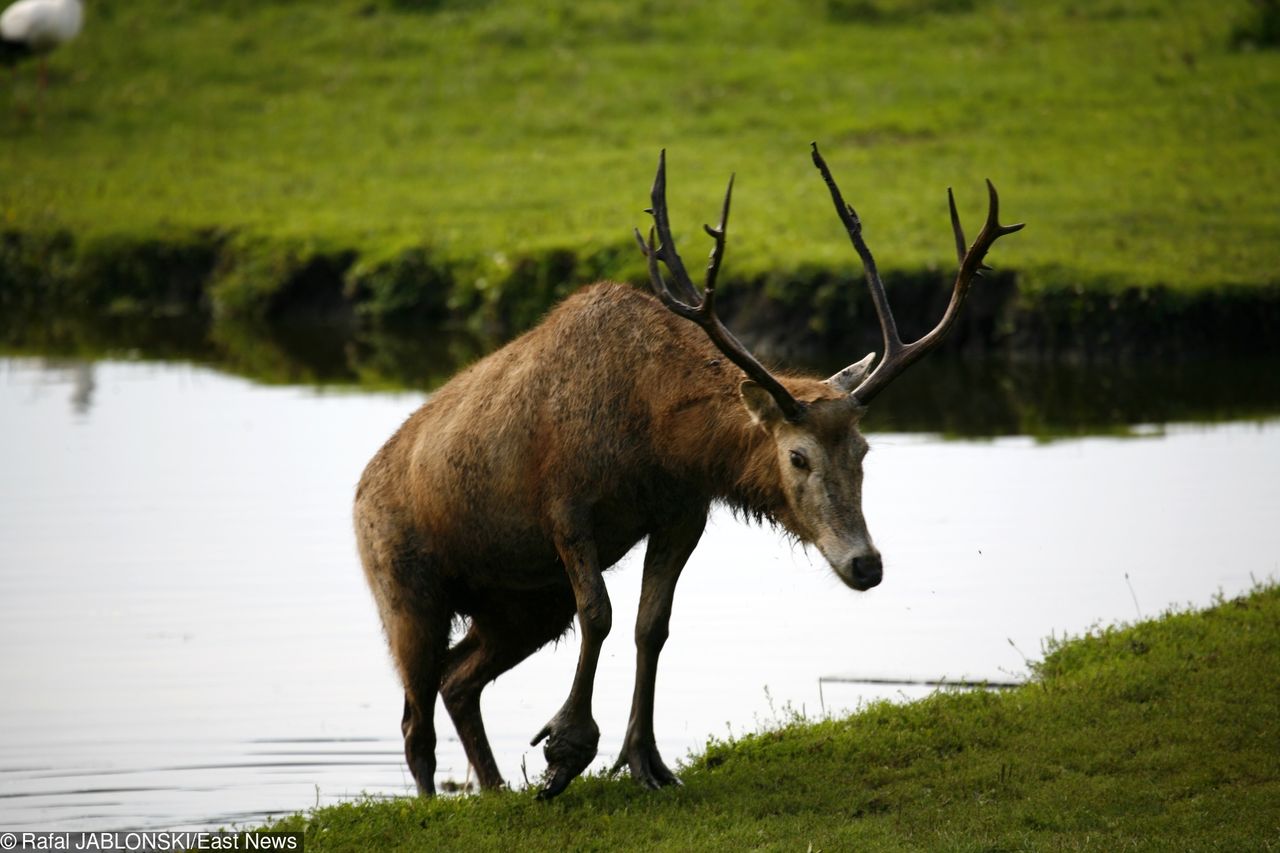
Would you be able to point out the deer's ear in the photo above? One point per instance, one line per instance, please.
(760, 403)
(851, 377)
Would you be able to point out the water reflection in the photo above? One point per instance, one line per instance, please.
(296, 354)
(83, 387)
(1049, 400)
(186, 638)
(56, 373)
(944, 393)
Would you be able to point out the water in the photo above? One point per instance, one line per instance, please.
(186, 639)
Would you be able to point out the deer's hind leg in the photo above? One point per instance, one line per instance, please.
(419, 643)
(504, 631)
(416, 616)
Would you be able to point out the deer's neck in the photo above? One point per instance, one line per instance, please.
(755, 489)
(731, 455)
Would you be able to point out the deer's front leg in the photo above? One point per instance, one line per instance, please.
(664, 558)
(572, 735)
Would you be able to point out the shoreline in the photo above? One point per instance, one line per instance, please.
(1150, 735)
(210, 279)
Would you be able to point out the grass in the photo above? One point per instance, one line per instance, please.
(1136, 137)
(1158, 736)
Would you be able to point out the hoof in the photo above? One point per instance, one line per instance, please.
(646, 767)
(569, 749)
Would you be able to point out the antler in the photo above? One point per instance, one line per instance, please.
(701, 309)
(897, 355)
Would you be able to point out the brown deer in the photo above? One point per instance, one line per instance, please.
(506, 496)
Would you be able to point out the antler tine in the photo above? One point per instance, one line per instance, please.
(971, 261)
(956, 227)
(701, 310)
(666, 243)
(652, 253)
(898, 356)
(717, 249)
(853, 225)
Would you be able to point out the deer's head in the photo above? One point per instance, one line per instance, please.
(815, 437)
(818, 462)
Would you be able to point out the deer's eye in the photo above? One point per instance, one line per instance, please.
(799, 460)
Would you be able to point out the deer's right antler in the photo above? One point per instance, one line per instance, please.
(701, 309)
(897, 355)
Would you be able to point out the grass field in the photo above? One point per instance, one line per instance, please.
(1159, 736)
(1137, 137)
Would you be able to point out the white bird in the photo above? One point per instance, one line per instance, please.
(35, 27)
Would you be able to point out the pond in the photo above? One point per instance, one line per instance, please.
(186, 639)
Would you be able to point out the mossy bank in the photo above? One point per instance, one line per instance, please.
(56, 292)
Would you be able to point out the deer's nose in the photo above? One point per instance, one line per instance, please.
(866, 571)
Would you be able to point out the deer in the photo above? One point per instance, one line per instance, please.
(623, 416)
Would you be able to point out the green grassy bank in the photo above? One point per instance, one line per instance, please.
(439, 160)
(1159, 736)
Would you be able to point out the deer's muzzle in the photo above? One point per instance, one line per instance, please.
(864, 571)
